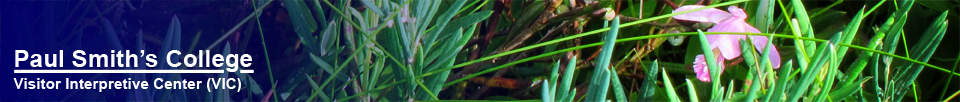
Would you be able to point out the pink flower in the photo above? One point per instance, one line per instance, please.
(700, 67)
(727, 45)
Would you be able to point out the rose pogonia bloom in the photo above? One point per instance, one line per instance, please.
(727, 44)
(700, 67)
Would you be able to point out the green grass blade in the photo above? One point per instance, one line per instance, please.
(442, 23)
(602, 75)
(317, 90)
(764, 15)
(567, 80)
(552, 89)
(712, 65)
(545, 90)
(617, 87)
(671, 94)
(801, 49)
(899, 18)
(649, 87)
(372, 7)
(812, 71)
(805, 26)
(781, 84)
(922, 51)
(692, 92)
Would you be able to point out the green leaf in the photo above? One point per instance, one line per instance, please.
(567, 80)
(669, 87)
(464, 21)
(617, 87)
(601, 74)
(692, 92)
(921, 51)
(372, 7)
(649, 87)
(317, 90)
(712, 65)
(805, 25)
(303, 22)
(781, 84)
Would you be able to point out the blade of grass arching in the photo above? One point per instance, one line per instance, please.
(567, 80)
(692, 92)
(317, 91)
(712, 66)
(671, 94)
(812, 71)
(805, 26)
(776, 93)
(847, 90)
(923, 50)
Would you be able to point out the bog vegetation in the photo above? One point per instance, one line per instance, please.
(549, 50)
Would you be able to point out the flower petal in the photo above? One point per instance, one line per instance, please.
(712, 15)
(760, 42)
(737, 12)
(700, 67)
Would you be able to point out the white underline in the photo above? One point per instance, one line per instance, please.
(127, 71)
